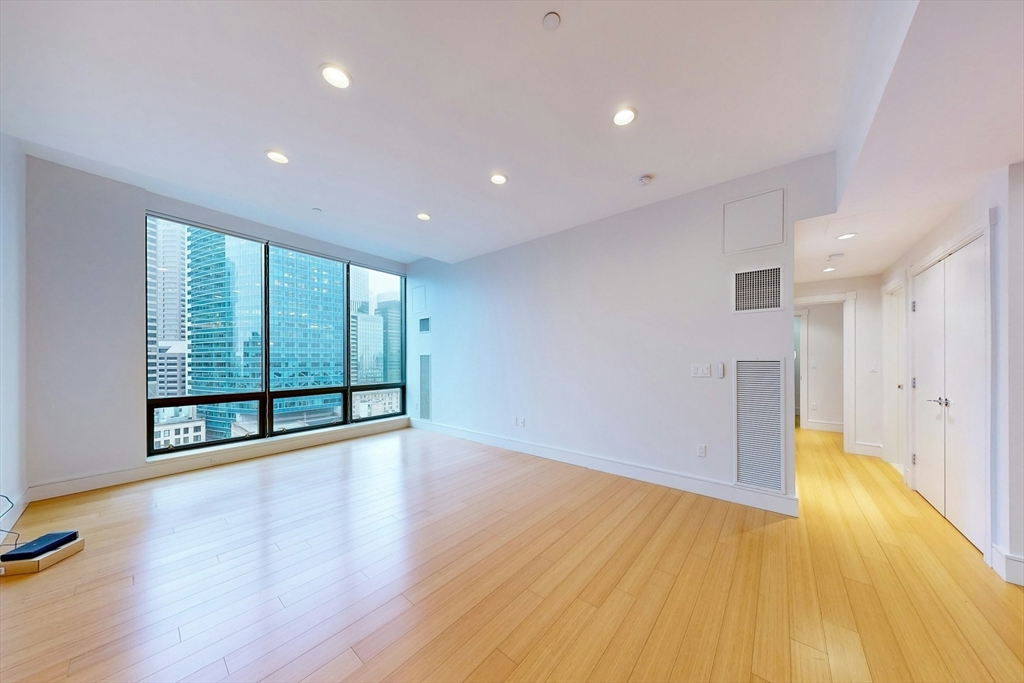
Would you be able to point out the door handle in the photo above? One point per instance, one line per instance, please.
(935, 400)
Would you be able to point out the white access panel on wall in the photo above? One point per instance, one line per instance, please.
(754, 222)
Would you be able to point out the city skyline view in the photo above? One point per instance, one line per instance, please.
(206, 334)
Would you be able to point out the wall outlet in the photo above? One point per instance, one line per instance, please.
(522, 422)
(702, 450)
(217, 459)
(814, 406)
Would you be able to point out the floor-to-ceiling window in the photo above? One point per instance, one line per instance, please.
(247, 339)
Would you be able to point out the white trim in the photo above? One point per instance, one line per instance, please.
(1009, 567)
(821, 426)
(849, 302)
(803, 314)
(824, 299)
(941, 254)
(864, 448)
(785, 505)
(161, 466)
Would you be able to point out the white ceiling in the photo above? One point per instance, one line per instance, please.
(185, 97)
(952, 112)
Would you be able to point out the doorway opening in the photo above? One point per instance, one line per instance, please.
(819, 353)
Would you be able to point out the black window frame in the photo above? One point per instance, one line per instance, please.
(265, 398)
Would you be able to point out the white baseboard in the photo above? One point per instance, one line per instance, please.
(872, 449)
(821, 426)
(11, 517)
(785, 505)
(163, 465)
(1009, 567)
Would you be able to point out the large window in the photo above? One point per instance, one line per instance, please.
(246, 339)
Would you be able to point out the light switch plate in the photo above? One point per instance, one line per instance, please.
(700, 370)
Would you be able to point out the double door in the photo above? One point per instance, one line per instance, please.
(949, 401)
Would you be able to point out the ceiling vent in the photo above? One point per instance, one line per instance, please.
(759, 422)
(758, 290)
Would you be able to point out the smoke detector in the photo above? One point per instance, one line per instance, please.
(644, 180)
(551, 21)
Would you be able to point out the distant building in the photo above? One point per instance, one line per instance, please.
(378, 402)
(176, 427)
(367, 343)
(171, 368)
(390, 312)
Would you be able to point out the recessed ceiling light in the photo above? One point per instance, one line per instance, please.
(499, 179)
(423, 216)
(551, 21)
(624, 116)
(335, 75)
(277, 157)
(847, 236)
(828, 270)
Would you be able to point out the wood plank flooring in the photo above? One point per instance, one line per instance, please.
(411, 556)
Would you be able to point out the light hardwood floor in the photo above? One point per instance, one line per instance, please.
(413, 556)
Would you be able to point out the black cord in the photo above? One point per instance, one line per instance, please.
(17, 536)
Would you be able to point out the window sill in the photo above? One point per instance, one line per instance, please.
(282, 443)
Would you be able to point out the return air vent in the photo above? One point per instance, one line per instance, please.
(425, 387)
(759, 421)
(758, 290)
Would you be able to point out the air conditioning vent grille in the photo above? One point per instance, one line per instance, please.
(425, 386)
(759, 420)
(758, 290)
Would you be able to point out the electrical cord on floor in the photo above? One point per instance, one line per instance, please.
(16, 535)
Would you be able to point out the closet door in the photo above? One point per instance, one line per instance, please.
(966, 370)
(929, 371)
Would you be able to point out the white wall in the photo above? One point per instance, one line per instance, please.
(13, 465)
(1006, 261)
(589, 334)
(1014, 344)
(867, 408)
(86, 320)
(824, 368)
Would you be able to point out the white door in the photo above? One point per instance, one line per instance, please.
(965, 390)
(929, 394)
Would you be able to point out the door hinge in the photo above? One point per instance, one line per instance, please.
(913, 306)
(913, 459)
(913, 383)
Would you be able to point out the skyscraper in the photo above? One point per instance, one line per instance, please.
(389, 309)
(151, 286)
(307, 335)
(170, 275)
(224, 315)
(367, 342)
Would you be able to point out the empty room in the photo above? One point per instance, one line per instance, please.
(511, 341)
